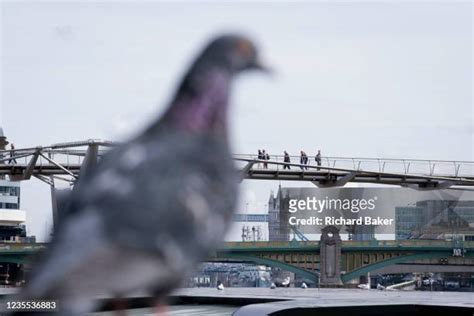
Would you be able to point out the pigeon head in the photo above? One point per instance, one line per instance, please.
(201, 102)
(233, 53)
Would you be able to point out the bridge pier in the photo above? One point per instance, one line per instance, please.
(330, 251)
(59, 202)
(60, 196)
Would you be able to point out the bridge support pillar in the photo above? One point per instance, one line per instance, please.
(330, 247)
(59, 200)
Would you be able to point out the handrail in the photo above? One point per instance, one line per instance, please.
(445, 178)
(63, 153)
(106, 143)
(399, 160)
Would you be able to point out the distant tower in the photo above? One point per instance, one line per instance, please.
(3, 140)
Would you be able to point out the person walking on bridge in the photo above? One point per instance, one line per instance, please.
(266, 157)
(318, 158)
(259, 157)
(303, 160)
(286, 159)
(12, 154)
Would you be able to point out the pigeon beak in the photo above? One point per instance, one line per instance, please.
(257, 65)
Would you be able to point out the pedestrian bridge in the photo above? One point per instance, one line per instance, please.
(65, 162)
(304, 259)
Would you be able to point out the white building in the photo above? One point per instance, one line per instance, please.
(10, 213)
(12, 218)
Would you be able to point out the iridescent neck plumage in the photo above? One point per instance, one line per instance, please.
(201, 104)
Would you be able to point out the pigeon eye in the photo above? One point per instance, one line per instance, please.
(245, 48)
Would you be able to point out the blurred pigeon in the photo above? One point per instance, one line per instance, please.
(304, 286)
(156, 205)
(273, 286)
(220, 286)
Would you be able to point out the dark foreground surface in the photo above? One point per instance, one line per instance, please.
(295, 301)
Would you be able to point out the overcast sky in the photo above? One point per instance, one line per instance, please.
(368, 79)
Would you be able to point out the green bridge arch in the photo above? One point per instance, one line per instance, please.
(345, 277)
(381, 264)
(273, 263)
(18, 259)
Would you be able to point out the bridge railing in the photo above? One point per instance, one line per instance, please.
(72, 154)
(66, 154)
(405, 243)
(347, 244)
(382, 165)
(65, 159)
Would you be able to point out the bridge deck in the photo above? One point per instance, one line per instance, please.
(66, 159)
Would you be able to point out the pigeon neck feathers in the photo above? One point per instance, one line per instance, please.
(200, 105)
(201, 102)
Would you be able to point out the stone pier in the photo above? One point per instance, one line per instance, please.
(330, 247)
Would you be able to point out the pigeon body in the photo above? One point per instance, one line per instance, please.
(153, 207)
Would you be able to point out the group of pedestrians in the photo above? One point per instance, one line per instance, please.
(263, 155)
